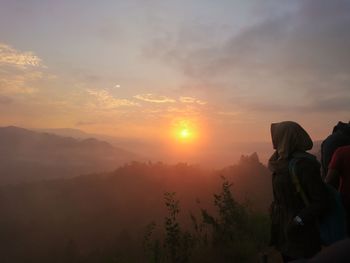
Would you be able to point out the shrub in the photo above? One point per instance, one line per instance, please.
(236, 234)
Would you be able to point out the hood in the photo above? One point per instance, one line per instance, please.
(289, 137)
(342, 127)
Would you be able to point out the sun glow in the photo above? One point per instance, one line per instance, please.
(186, 139)
(184, 131)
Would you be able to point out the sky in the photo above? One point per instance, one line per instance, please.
(142, 69)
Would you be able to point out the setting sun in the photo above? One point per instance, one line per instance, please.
(185, 133)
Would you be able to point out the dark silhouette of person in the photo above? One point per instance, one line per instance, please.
(339, 176)
(337, 253)
(339, 137)
(294, 230)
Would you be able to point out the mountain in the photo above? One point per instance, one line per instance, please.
(27, 155)
(68, 132)
(142, 148)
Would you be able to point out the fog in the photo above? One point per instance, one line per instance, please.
(66, 199)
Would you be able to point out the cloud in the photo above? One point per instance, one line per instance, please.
(154, 98)
(302, 56)
(105, 100)
(19, 70)
(13, 57)
(192, 100)
(18, 82)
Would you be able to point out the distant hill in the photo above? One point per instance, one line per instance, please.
(27, 155)
(68, 132)
(142, 148)
(252, 181)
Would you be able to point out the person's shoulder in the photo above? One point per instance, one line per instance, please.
(345, 148)
(342, 151)
(306, 160)
(330, 139)
(304, 156)
(335, 140)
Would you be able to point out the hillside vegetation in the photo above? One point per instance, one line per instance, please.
(106, 217)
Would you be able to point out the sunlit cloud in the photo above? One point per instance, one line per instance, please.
(19, 82)
(154, 98)
(187, 110)
(11, 56)
(19, 70)
(192, 100)
(105, 100)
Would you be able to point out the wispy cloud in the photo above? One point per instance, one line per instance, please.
(13, 57)
(19, 70)
(154, 98)
(18, 82)
(104, 100)
(192, 100)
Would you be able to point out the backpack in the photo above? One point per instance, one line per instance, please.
(332, 225)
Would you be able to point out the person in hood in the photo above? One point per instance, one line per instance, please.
(338, 252)
(339, 176)
(339, 137)
(294, 230)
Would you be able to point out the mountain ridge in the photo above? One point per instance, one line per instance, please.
(28, 155)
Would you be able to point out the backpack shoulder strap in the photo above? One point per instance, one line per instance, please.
(295, 179)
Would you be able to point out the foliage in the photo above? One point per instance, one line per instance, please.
(178, 244)
(236, 234)
(102, 217)
(151, 247)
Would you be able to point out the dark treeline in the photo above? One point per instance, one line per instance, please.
(105, 217)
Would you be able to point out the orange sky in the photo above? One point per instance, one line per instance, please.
(99, 71)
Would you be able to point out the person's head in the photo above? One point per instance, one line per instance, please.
(342, 127)
(289, 137)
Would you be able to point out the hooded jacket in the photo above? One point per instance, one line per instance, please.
(339, 137)
(290, 139)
